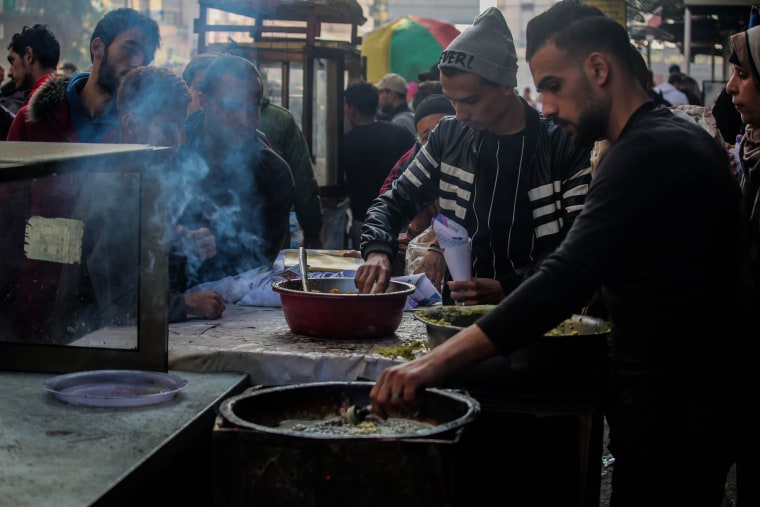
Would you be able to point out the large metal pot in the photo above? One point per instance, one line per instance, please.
(265, 409)
(343, 313)
(257, 462)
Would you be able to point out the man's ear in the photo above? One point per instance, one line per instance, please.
(126, 122)
(598, 67)
(29, 54)
(97, 48)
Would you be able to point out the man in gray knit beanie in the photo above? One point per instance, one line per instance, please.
(516, 182)
(492, 138)
(485, 49)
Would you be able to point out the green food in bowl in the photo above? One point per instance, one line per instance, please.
(444, 322)
(454, 316)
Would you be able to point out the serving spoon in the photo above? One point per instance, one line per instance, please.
(304, 269)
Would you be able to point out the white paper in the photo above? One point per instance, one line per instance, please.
(456, 246)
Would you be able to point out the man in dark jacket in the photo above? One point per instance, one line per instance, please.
(514, 180)
(660, 237)
(370, 149)
(244, 190)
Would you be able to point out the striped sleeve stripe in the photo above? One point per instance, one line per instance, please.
(457, 173)
(547, 229)
(410, 175)
(580, 190)
(540, 192)
(452, 206)
(546, 210)
(574, 209)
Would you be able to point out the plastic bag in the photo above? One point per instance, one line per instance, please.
(417, 249)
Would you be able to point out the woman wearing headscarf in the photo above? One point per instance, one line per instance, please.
(744, 88)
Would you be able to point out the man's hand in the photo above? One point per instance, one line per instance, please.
(403, 385)
(434, 266)
(199, 244)
(208, 304)
(478, 291)
(374, 275)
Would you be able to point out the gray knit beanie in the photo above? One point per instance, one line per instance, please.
(485, 49)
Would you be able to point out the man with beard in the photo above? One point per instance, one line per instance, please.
(392, 89)
(660, 237)
(514, 180)
(33, 56)
(83, 108)
(245, 196)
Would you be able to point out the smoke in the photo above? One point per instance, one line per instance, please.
(226, 197)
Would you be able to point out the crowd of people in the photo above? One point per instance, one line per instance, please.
(656, 227)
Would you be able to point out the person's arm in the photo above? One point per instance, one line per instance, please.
(17, 131)
(403, 385)
(385, 217)
(399, 167)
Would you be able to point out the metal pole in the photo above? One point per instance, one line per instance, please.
(687, 39)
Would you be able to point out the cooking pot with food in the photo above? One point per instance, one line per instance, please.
(333, 308)
(292, 445)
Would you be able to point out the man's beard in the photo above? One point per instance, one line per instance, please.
(387, 108)
(107, 78)
(592, 125)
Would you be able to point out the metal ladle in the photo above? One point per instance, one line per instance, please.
(355, 415)
(304, 269)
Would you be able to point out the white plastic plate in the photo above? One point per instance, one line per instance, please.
(115, 388)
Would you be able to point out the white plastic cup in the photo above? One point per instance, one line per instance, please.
(459, 260)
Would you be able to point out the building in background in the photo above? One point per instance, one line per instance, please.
(658, 34)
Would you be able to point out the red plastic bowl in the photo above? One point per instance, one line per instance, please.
(346, 314)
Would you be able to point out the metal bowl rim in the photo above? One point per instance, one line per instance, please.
(408, 290)
(596, 321)
(226, 409)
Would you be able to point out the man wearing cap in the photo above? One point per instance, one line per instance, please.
(515, 180)
(392, 102)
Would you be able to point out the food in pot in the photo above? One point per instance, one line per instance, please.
(333, 424)
(461, 317)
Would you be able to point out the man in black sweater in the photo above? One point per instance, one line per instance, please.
(660, 237)
(370, 150)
